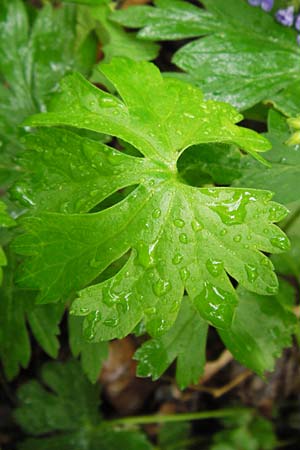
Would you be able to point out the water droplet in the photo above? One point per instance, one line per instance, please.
(233, 211)
(90, 323)
(179, 223)
(183, 238)
(252, 272)
(214, 267)
(84, 310)
(223, 232)
(280, 242)
(150, 311)
(94, 193)
(266, 231)
(177, 259)
(156, 213)
(237, 238)
(216, 305)
(277, 213)
(161, 287)
(184, 273)
(145, 254)
(196, 225)
(111, 322)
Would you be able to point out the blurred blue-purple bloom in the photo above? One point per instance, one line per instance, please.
(267, 5)
(285, 16)
(254, 2)
(297, 22)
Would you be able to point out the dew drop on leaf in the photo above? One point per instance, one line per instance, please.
(280, 242)
(237, 238)
(196, 225)
(216, 305)
(179, 223)
(252, 272)
(183, 238)
(184, 273)
(177, 259)
(90, 325)
(214, 267)
(161, 287)
(113, 322)
(156, 213)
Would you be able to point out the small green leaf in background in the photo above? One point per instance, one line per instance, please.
(282, 177)
(245, 431)
(287, 101)
(67, 407)
(169, 20)
(5, 222)
(245, 56)
(33, 59)
(174, 436)
(92, 355)
(262, 327)
(17, 308)
(177, 237)
(185, 342)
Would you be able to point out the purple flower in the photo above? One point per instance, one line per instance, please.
(285, 16)
(267, 5)
(254, 2)
(297, 22)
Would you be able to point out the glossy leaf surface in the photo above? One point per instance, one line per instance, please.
(176, 236)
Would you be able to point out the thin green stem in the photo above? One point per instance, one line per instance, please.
(291, 220)
(159, 418)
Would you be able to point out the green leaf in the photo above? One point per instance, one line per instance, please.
(68, 406)
(5, 221)
(16, 308)
(283, 175)
(289, 263)
(117, 42)
(92, 355)
(38, 57)
(230, 64)
(287, 101)
(174, 436)
(208, 163)
(176, 236)
(261, 328)
(244, 57)
(170, 20)
(245, 431)
(185, 341)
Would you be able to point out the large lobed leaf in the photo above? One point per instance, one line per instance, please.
(244, 58)
(177, 237)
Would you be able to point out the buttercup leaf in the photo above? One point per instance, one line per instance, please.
(177, 237)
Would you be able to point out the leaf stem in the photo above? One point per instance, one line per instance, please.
(291, 220)
(160, 418)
